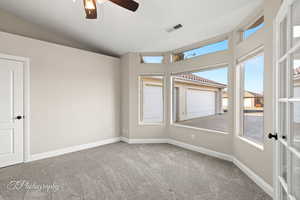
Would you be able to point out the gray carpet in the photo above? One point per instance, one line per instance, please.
(129, 172)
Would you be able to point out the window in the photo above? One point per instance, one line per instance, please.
(152, 59)
(211, 48)
(252, 97)
(200, 99)
(257, 25)
(151, 99)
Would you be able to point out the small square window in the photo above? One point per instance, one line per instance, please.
(152, 59)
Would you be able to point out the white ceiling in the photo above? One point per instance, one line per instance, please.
(118, 31)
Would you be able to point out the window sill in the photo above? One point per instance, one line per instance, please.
(199, 129)
(151, 124)
(252, 143)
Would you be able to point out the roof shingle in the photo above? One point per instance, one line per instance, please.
(193, 77)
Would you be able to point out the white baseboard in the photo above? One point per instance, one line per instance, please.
(59, 152)
(124, 139)
(254, 177)
(205, 151)
(144, 141)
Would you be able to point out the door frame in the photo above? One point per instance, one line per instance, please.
(26, 102)
(284, 12)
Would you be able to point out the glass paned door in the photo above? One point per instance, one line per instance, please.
(287, 126)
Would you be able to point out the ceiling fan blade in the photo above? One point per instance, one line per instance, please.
(90, 9)
(128, 4)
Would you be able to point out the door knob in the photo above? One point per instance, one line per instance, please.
(275, 136)
(19, 117)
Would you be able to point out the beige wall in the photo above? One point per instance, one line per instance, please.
(75, 94)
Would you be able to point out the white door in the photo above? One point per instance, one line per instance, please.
(200, 103)
(11, 112)
(287, 126)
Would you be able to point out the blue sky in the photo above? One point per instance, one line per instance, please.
(153, 59)
(254, 73)
(249, 32)
(215, 47)
(219, 75)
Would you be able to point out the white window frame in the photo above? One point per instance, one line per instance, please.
(209, 67)
(183, 50)
(240, 97)
(152, 55)
(140, 100)
(245, 28)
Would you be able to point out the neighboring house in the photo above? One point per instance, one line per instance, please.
(189, 90)
(195, 96)
(253, 102)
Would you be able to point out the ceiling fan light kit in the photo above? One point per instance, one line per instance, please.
(91, 7)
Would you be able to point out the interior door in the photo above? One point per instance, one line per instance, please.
(287, 58)
(11, 112)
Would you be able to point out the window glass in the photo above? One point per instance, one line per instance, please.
(295, 22)
(253, 99)
(253, 28)
(295, 88)
(200, 99)
(151, 99)
(211, 48)
(152, 59)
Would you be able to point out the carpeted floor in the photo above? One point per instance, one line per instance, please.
(128, 172)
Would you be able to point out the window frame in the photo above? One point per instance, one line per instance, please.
(140, 99)
(230, 97)
(152, 55)
(240, 97)
(199, 47)
(245, 28)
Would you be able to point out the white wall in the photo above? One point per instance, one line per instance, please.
(75, 94)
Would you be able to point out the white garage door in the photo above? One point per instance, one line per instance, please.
(247, 102)
(152, 104)
(200, 103)
(297, 105)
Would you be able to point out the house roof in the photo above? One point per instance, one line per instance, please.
(200, 80)
(255, 94)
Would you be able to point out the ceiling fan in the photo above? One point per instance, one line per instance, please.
(91, 7)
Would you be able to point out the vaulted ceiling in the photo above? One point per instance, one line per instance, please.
(118, 31)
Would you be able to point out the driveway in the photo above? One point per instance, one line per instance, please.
(253, 124)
